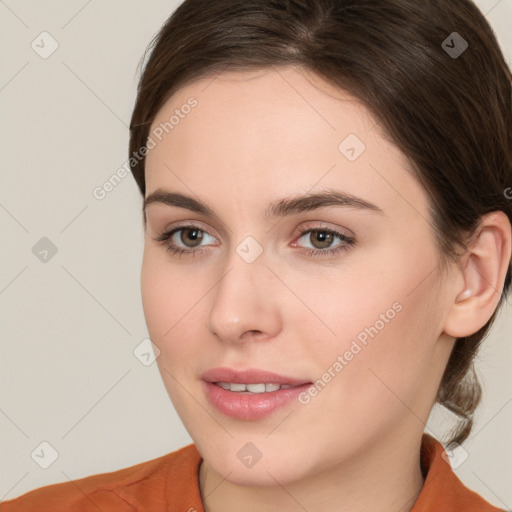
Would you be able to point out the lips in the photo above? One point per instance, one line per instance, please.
(224, 388)
(250, 376)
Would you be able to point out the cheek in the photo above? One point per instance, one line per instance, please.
(154, 285)
(377, 323)
(166, 296)
(165, 304)
(173, 310)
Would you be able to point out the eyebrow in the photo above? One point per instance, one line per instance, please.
(280, 208)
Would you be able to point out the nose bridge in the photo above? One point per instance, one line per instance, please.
(242, 301)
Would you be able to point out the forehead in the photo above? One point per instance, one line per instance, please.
(282, 129)
(281, 100)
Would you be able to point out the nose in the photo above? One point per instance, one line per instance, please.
(244, 303)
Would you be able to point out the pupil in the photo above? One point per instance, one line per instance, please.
(194, 235)
(324, 238)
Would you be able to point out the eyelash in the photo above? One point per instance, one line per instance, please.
(317, 253)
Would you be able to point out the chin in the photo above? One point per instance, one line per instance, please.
(273, 467)
(262, 474)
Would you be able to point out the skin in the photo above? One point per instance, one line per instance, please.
(253, 138)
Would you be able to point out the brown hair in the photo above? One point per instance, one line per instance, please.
(450, 113)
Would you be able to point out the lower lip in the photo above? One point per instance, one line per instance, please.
(251, 406)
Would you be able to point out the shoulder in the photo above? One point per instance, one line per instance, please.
(442, 489)
(133, 488)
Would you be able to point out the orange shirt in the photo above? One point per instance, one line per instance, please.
(170, 484)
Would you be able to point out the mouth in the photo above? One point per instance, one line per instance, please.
(251, 394)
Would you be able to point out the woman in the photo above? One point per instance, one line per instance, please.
(328, 240)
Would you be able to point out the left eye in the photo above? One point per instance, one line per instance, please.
(324, 237)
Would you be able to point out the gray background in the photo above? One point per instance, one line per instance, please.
(70, 324)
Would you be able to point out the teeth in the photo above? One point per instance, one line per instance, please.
(238, 387)
(252, 388)
(256, 388)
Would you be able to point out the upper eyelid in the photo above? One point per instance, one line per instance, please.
(187, 225)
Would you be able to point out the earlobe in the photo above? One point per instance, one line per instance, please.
(483, 269)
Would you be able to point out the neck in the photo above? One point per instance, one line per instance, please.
(385, 478)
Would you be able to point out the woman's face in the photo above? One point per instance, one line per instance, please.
(361, 317)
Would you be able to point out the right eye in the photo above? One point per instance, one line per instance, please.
(183, 234)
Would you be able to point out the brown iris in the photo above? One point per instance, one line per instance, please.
(195, 236)
(324, 237)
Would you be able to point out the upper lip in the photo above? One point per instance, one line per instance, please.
(249, 376)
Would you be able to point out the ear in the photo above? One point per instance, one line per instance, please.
(483, 269)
